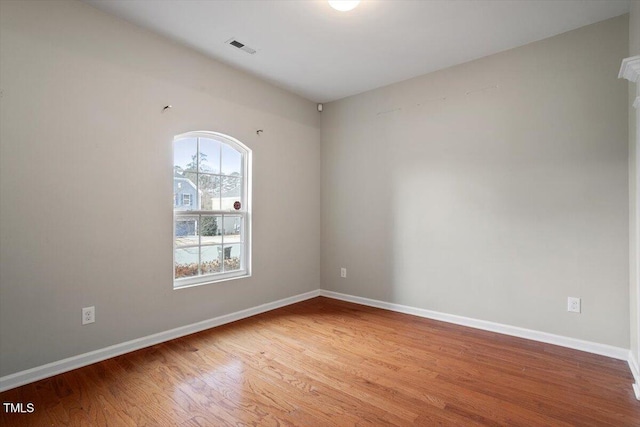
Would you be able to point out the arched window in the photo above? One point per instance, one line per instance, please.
(211, 208)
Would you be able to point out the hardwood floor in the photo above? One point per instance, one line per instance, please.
(330, 363)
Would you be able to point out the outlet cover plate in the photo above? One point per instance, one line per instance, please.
(573, 304)
(88, 315)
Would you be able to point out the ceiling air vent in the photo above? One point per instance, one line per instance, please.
(235, 43)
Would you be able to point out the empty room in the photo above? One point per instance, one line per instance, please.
(319, 213)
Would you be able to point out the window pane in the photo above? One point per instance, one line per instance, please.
(231, 192)
(184, 191)
(231, 161)
(211, 259)
(186, 262)
(209, 192)
(232, 257)
(232, 229)
(209, 155)
(184, 155)
(186, 230)
(211, 229)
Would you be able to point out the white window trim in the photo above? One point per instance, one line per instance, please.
(245, 211)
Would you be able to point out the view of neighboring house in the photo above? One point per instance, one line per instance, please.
(184, 199)
(184, 194)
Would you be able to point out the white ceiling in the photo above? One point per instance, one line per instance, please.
(307, 47)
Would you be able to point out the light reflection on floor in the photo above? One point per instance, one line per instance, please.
(220, 389)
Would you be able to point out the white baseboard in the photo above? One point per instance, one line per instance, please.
(40, 372)
(68, 364)
(635, 370)
(588, 346)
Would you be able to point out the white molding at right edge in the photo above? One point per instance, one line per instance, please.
(636, 375)
(630, 69)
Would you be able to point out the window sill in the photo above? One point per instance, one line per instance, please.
(190, 283)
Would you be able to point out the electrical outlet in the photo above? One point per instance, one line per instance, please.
(88, 315)
(573, 304)
(343, 272)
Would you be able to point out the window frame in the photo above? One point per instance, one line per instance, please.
(244, 212)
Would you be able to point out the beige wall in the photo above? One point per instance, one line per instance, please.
(86, 181)
(492, 190)
(634, 90)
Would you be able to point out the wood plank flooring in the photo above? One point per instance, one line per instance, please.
(330, 363)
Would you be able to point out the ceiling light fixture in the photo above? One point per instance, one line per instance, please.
(344, 5)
